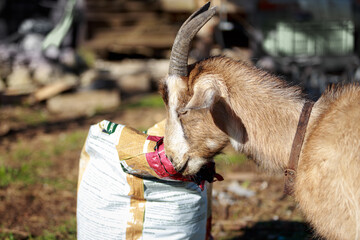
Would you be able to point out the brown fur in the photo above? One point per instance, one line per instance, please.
(259, 113)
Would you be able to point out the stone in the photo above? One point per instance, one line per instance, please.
(32, 44)
(97, 79)
(43, 74)
(137, 83)
(88, 77)
(126, 67)
(178, 6)
(158, 69)
(239, 190)
(68, 57)
(52, 52)
(64, 83)
(19, 81)
(85, 103)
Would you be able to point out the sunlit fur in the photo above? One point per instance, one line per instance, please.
(224, 100)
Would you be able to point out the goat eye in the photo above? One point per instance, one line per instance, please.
(182, 112)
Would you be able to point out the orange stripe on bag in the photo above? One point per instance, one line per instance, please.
(137, 208)
(84, 160)
(131, 149)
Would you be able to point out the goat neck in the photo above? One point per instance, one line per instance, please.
(263, 111)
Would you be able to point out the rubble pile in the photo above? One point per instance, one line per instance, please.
(40, 79)
(33, 71)
(29, 74)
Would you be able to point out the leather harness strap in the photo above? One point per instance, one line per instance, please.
(290, 171)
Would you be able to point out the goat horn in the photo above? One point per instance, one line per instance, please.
(180, 50)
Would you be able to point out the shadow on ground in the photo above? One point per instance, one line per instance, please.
(276, 230)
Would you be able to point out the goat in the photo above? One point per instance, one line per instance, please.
(218, 101)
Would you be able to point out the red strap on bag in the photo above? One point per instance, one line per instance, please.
(158, 161)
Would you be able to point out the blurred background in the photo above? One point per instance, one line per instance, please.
(67, 64)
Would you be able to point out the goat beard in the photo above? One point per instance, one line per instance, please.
(207, 173)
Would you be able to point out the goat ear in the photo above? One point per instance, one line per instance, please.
(205, 95)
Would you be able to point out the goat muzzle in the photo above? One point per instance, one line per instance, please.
(164, 168)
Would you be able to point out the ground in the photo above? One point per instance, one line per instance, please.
(38, 178)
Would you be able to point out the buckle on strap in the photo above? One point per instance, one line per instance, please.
(290, 176)
(290, 171)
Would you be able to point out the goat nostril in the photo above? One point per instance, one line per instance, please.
(182, 169)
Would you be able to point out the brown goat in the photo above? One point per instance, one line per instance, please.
(218, 100)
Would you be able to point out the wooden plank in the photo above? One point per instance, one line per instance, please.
(115, 39)
(53, 89)
(106, 16)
